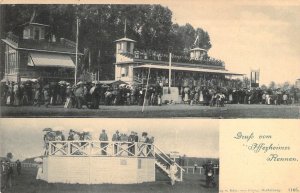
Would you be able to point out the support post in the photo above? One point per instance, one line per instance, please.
(77, 29)
(146, 90)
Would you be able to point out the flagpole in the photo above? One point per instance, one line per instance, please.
(170, 64)
(146, 90)
(77, 21)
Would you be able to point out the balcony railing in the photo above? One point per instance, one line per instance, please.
(175, 58)
(98, 148)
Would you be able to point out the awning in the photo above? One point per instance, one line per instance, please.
(188, 69)
(50, 60)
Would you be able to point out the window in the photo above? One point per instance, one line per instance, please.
(36, 34)
(128, 47)
(124, 71)
(11, 63)
(118, 47)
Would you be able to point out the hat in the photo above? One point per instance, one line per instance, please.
(117, 131)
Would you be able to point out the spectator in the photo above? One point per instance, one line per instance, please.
(103, 142)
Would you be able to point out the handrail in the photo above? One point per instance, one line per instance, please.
(167, 157)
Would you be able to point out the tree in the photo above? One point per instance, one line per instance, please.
(100, 25)
(9, 156)
(272, 85)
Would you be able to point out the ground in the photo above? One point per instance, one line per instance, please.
(165, 111)
(26, 183)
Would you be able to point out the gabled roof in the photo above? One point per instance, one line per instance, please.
(125, 39)
(42, 46)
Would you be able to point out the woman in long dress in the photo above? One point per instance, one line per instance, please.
(173, 171)
(39, 175)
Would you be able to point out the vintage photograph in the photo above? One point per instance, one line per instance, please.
(227, 59)
(101, 155)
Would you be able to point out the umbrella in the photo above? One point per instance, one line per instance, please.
(34, 80)
(62, 82)
(38, 160)
(95, 82)
(47, 129)
(79, 83)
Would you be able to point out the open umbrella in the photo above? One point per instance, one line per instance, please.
(38, 160)
(33, 80)
(79, 83)
(47, 129)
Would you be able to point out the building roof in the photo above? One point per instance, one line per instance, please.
(192, 69)
(42, 46)
(125, 39)
(195, 49)
(39, 24)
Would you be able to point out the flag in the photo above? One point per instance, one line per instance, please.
(195, 43)
(125, 29)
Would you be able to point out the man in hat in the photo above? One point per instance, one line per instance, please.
(18, 163)
(103, 142)
(131, 139)
(210, 174)
(116, 137)
(79, 93)
(3, 175)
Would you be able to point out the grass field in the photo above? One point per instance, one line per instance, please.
(26, 183)
(165, 111)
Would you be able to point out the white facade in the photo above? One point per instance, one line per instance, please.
(98, 170)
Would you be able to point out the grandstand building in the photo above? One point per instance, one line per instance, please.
(132, 65)
(37, 54)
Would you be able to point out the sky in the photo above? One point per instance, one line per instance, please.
(196, 138)
(248, 35)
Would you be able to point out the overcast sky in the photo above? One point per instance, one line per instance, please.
(248, 34)
(199, 138)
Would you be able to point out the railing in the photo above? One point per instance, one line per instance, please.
(99, 148)
(13, 37)
(175, 58)
(194, 169)
(25, 165)
(159, 154)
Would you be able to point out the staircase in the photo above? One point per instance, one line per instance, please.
(163, 162)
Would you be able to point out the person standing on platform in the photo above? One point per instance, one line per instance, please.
(116, 138)
(131, 145)
(103, 138)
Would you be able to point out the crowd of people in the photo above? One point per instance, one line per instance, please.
(90, 94)
(221, 96)
(126, 141)
(211, 91)
(7, 173)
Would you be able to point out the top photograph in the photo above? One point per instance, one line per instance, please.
(197, 59)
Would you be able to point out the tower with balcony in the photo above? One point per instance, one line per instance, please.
(124, 59)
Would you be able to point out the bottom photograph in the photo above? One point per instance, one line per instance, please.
(109, 155)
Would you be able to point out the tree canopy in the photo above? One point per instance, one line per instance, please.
(100, 25)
